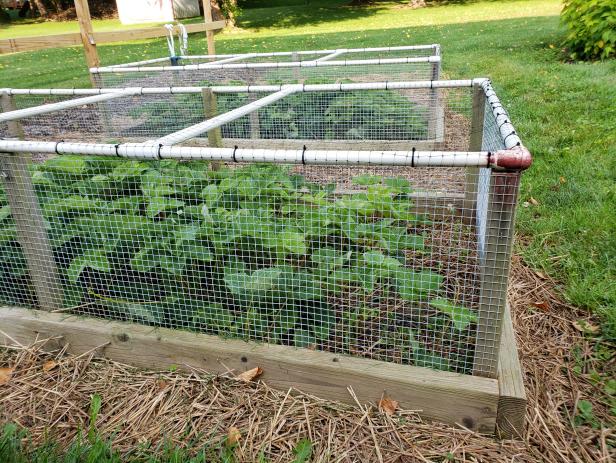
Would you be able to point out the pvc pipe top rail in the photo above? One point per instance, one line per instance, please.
(61, 105)
(435, 46)
(197, 129)
(249, 88)
(515, 159)
(290, 64)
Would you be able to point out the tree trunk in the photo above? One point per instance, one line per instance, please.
(40, 6)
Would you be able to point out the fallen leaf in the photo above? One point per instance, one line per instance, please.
(233, 436)
(562, 180)
(388, 405)
(533, 201)
(161, 384)
(585, 327)
(541, 275)
(49, 365)
(543, 305)
(5, 375)
(249, 375)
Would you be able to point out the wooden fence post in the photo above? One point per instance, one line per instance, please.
(87, 36)
(495, 259)
(207, 15)
(214, 136)
(29, 222)
(471, 183)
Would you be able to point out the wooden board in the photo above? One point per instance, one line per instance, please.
(447, 397)
(511, 415)
(74, 38)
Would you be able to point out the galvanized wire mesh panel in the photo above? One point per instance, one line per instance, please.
(366, 119)
(401, 264)
(233, 75)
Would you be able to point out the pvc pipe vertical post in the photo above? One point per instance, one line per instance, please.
(494, 267)
(210, 109)
(209, 34)
(29, 222)
(471, 182)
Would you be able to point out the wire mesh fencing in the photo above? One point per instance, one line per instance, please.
(402, 263)
(299, 67)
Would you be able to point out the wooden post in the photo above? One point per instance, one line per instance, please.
(214, 136)
(207, 15)
(435, 112)
(475, 144)
(495, 258)
(511, 415)
(29, 222)
(87, 35)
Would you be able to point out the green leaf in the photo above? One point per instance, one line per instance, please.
(66, 164)
(302, 451)
(157, 205)
(5, 212)
(294, 242)
(460, 316)
(146, 259)
(72, 204)
(398, 183)
(378, 259)
(259, 281)
(128, 170)
(93, 258)
(367, 180)
(411, 285)
(330, 258)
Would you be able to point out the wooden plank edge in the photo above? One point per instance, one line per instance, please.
(31, 43)
(439, 396)
(511, 416)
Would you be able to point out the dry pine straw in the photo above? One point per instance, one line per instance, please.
(51, 392)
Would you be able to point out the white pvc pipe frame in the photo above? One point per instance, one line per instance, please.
(239, 56)
(290, 64)
(158, 150)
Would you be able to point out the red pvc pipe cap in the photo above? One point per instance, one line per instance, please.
(516, 158)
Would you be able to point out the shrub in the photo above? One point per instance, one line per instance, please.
(592, 28)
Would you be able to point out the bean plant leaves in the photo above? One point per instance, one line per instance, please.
(461, 317)
(93, 258)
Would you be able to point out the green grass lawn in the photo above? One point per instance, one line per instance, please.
(37, 27)
(564, 112)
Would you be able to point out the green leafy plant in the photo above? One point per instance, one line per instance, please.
(592, 28)
(253, 252)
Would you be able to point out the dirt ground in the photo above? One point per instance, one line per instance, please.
(51, 392)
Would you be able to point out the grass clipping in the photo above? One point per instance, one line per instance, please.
(50, 395)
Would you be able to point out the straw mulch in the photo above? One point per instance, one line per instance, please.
(50, 393)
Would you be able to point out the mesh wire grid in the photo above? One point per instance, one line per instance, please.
(372, 261)
(232, 75)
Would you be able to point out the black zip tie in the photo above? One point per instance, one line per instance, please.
(171, 90)
(234, 150)
(56, 148)
(303, 156)
(160, 146)
(431, 83)
(117, 147)
(386, 85)
(413, 157)
(489, 159)
(512, 133)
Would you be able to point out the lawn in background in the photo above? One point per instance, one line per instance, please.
(565, 113)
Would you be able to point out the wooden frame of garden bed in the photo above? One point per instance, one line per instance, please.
(480, 404)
